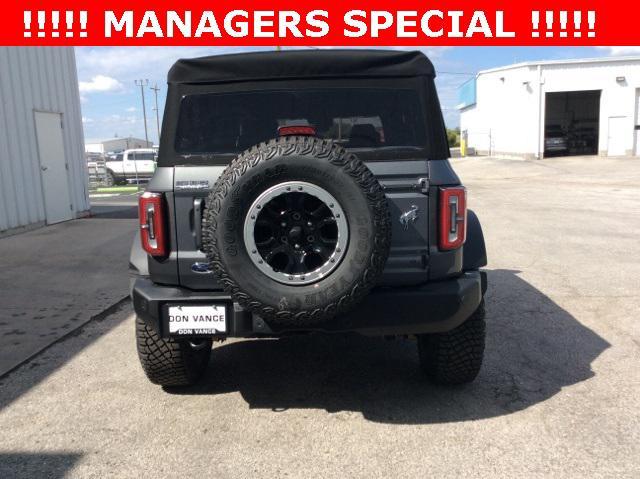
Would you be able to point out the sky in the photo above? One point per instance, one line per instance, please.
(112, 104)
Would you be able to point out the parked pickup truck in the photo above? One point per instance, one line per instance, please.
(131, 166)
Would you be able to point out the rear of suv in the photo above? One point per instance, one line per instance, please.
(306, 192)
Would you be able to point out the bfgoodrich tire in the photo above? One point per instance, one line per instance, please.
(454, 357)
(294, 293)
(170, 362)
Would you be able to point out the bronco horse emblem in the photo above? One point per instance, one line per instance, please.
(409, 217)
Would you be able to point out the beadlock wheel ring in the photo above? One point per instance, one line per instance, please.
(296, 233)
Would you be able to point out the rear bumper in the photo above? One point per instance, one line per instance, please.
(434, 307)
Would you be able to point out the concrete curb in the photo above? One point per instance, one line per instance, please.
(114, 308)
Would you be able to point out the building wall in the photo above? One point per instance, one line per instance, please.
(42, 79)
(118, 144)
(508, 117)
(618, 99)
(504, 119)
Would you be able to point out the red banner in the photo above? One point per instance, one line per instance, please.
(405, 23)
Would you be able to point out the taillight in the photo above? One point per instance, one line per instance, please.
(453, 217)
(296, 130)
(152, 224)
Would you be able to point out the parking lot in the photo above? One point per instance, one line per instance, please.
(559, 394)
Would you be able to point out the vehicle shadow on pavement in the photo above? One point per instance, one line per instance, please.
(28, 465)
(534, 349)
(37, 369)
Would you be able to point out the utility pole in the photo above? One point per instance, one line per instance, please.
(142, 84)
(155, 91)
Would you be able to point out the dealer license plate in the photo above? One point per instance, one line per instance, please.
(196, 320)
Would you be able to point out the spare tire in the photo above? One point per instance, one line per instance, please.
(297, 230)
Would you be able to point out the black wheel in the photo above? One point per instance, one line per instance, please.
(109, 179)
(454, 357)
(170, 362)
(297, 230)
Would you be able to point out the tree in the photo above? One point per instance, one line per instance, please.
(453, 137)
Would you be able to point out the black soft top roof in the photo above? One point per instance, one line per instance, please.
(301, 64)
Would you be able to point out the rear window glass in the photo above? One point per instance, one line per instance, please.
(355, 118)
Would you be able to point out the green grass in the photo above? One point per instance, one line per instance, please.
(117, 189)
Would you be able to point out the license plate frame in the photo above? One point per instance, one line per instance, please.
(197, 320)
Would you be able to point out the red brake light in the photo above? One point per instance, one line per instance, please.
(453, 217)
(296, 130)
(152, 224)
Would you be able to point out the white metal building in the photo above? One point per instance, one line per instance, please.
(43, 177)
(568, 107)
(116, 144)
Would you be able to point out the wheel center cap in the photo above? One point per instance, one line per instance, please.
(295, 233)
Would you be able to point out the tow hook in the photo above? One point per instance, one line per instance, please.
(198, 346)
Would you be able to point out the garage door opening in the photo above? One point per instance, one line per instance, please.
(571, 123)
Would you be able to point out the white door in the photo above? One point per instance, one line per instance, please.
(53, 167)
(617, 135)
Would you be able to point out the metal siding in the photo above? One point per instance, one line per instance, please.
(507, 110)
(45, 79)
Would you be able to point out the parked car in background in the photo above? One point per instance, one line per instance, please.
(555, 141)
(130, 166)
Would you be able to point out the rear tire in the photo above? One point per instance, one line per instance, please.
(109, 179)
(454, 357)
(170, 362)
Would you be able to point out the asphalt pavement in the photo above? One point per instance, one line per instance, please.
(56, 278)
(558, 395)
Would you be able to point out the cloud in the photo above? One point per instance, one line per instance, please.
(129, 64)
(100, 83)
(628, 50)
(87, 120)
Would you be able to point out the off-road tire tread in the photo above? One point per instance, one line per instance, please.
(169, 362)
(323, 150)
(454, 357)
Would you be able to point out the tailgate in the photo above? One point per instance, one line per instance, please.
(408, 202)
(406, 187)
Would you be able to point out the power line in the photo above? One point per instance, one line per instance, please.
(155, 91)
(142, 84)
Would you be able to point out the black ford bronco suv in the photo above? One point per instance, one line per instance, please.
(306, 191)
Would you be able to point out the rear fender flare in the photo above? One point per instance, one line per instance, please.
(474, 253)
(138, 259)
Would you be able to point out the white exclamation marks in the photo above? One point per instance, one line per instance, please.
(577, 20)
(41, 20)
(83, 24)
(549, 17)
(591, 20)
(563, 24)
(535, 22)
(69, 21)
(55, 21)
(27, 24)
